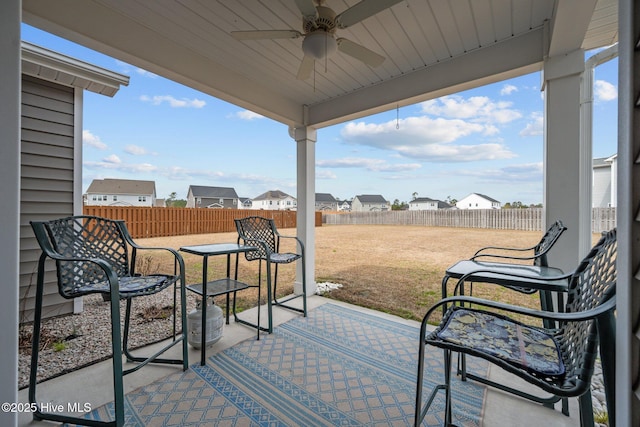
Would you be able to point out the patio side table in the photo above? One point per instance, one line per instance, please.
(222, 286)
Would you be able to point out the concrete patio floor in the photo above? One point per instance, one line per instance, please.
(500, 409)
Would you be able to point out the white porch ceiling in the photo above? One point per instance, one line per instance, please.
(432, 47)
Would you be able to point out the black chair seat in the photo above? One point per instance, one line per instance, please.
(130, 287)
(482, 333)
(284, 258)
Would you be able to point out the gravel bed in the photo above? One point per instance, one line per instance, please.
(82, 339)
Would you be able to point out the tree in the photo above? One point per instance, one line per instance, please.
(173, 202)
(451, 201)
(414, 195)
(398, 205)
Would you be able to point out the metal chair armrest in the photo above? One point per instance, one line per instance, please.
(293, 237)
(577, 316)
(524, 277)
(478, 252)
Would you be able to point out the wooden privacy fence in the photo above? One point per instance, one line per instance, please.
(530, 219)
(145, 222)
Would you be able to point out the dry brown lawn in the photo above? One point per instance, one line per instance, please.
(395, 269)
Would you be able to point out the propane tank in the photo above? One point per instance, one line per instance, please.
(215, 324)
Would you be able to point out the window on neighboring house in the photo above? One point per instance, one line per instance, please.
(221, 201)
(94, 197)
(235, 201)
(115, 198)
(142, 198)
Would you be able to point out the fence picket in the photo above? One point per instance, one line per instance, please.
(144, 222)
(531, 219)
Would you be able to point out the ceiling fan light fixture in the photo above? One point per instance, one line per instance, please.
(319, 45)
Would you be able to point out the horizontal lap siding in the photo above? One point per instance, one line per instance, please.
(46, 187)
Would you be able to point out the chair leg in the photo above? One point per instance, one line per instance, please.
(118, 389)
(281, 302)
(586, 410)
(448, 415)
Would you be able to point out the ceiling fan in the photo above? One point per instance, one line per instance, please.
(319, 24)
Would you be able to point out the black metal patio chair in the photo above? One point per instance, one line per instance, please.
(98, 255)
(262, 233)
(508, 260)
(559, 361)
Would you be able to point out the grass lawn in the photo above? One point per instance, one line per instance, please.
(395, 269)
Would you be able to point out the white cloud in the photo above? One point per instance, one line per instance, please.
(247, 115)
(376, 165)
(128, 69)
(508, 89)
(174, 102)
(479, 109)
(135, 150)
(112, 159)
(92, 140)
(535, 126)
(604, 91)
(527, 172)
(325, 175)
(427, 139)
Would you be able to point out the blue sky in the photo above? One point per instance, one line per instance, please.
(487, 140)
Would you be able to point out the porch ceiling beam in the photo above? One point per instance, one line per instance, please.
(569, 25)
(517, 56)
(102, 29)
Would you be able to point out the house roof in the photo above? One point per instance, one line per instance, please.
(325, 198)
(121, 186)
(272, 195)
(423, 200)
(492, 200)
(604, 161)
(371, 198)
(213, 192)
(56, 67)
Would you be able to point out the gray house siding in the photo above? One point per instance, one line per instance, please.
(47, 162)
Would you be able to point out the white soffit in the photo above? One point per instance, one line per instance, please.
(56, 67)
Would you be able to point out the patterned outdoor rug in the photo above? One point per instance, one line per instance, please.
(336, 367)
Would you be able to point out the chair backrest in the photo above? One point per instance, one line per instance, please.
(83, 237)
(546, 243)
(254, 229)
(592, 284)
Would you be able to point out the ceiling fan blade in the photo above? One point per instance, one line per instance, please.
(362, 10)
(307, 8)
(306, 67)
(360, 52)
(265, 34)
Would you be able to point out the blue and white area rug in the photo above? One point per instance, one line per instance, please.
(337, 367)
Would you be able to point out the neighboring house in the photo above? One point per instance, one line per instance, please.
(200, 196)
(427, 204)
(344, 205)
(245, 202)
(369, 202)
(326, 202)
(478, 201)
(121, 192)
(161, 203)
(52, 94)
(274, 200)
(605, 187)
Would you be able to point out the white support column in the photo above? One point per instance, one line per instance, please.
(10, 75)
(565, 190)
(305, 138)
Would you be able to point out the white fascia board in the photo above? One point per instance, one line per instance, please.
(511, 58)
(63, 69)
